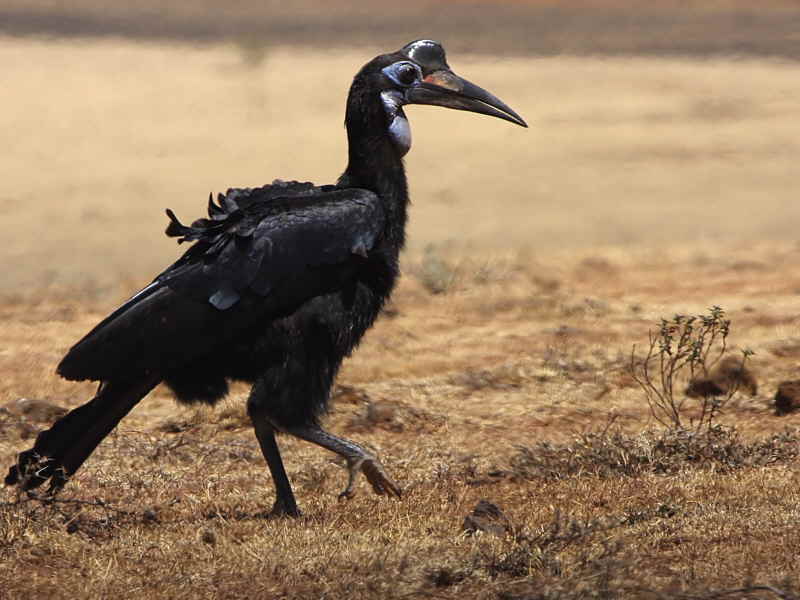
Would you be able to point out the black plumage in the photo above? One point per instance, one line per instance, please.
(278, 287)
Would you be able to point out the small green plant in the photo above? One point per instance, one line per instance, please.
(683, 349)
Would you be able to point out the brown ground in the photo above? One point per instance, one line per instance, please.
(644, 187)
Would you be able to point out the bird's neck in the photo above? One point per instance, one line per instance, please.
(375, 161)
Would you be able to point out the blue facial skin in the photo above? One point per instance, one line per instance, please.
(399, 129)
(404, 74)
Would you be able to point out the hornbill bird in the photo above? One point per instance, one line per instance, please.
(277, 289)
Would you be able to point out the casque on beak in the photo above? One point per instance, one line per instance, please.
(444, 88)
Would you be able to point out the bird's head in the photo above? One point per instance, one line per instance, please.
(418, 73)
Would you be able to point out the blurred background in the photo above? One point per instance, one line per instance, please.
(652, 125)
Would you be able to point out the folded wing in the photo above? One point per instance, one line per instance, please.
(260, 254)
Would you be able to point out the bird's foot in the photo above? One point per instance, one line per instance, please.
(358, 460)
(32, 470)
(374, 472)
(282, 510)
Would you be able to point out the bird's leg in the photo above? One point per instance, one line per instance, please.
(285, 504)
(358, 459)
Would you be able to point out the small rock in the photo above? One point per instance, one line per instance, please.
(208, 537)
(787, 398)
(150, 515)
(488, 518)
(731, 374)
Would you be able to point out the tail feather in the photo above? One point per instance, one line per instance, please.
(62, 449)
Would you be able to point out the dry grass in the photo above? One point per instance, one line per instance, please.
(644, 188)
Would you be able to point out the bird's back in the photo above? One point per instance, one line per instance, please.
(260, 254)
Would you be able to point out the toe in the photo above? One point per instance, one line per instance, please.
(380, 481)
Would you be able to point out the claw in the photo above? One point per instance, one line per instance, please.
(358, 460)
(376, 475)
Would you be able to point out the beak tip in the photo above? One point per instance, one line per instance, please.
(514, 118)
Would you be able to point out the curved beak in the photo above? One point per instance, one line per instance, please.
(445, 88)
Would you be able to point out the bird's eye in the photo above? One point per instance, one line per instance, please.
(406, 74)
(403, 74)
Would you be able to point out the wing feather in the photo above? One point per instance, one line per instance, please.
(260, 253)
